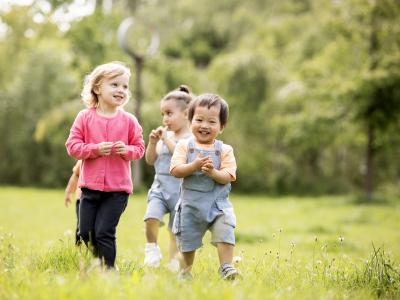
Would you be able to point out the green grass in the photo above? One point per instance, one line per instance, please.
(290, 248)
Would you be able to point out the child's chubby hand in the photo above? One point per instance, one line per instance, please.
(207, 167)
(157, 134)
(120, 148)
(200, 161)
(105, 148)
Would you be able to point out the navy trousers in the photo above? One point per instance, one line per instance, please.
(99, 214)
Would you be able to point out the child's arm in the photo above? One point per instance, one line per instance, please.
(76, 146)
(135, 148)
(219, 176)
(227, 172)
(72, 185)
(71, 188)
(179, 166)
(184, 170)
(170, 143)
(151, 150)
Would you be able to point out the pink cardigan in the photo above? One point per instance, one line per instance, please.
(105, 173)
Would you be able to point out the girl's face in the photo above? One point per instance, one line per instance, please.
(173, 116)
(113, 92)
(205, 124)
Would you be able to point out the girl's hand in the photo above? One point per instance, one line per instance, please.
(155, 135)
(163, 132)
(120, 148)
(105, 148)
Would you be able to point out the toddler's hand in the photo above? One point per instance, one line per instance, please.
(163, 132)
(105, 148)
(155, 135)
(120, 148)
(200, 160)
(208, 167)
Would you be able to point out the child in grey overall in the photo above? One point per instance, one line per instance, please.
(164, 192)
(207, 167)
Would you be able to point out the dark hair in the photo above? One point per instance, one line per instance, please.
(210, 100)
(181, 94)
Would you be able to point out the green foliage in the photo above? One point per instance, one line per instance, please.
(304, 80)
(41, 83)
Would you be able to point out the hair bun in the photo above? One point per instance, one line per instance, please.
(184, 88)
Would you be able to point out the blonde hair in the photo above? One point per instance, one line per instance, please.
(96, 78)
(181, 94)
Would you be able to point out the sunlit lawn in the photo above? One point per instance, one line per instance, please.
(290, 248)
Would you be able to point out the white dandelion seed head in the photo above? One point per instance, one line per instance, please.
(237, 259)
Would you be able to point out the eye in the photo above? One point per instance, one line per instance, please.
(125, 87)
(113, 84)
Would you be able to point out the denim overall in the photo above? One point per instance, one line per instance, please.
(201, 201)
(164, 192)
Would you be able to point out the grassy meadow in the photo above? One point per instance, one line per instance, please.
(289, 248)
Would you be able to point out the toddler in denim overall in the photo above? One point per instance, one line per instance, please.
(208, 167)
(203, 205)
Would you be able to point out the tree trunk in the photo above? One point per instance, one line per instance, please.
(137, 174)
(373, 48)
(369, 157)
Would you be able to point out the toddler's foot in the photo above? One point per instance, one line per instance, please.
(228, 272)
(173, 265)
(152, 255)
(185, 276)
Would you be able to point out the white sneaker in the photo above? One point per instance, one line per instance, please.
(152, 255)
(173, 265)
(228, 272)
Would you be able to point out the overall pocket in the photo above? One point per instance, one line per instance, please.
(228, 213)
(229, 216)
(199, 183)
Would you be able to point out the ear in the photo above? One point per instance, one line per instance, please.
(96, 90)
(222, 129)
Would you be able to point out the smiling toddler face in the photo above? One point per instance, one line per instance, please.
(205, 124)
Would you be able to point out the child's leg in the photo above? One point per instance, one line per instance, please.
(112, 206)
(173, 248)
(77, 237)
(187, 261)
(222, 233)
(175, 257)
(225, 253)
(151, 227)
(88, 206)
(152, 252)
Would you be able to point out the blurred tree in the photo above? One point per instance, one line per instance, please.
(312, 85)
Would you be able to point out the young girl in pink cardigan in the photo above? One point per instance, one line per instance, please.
(106, 139)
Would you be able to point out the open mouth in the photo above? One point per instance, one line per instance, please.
(202, 132)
